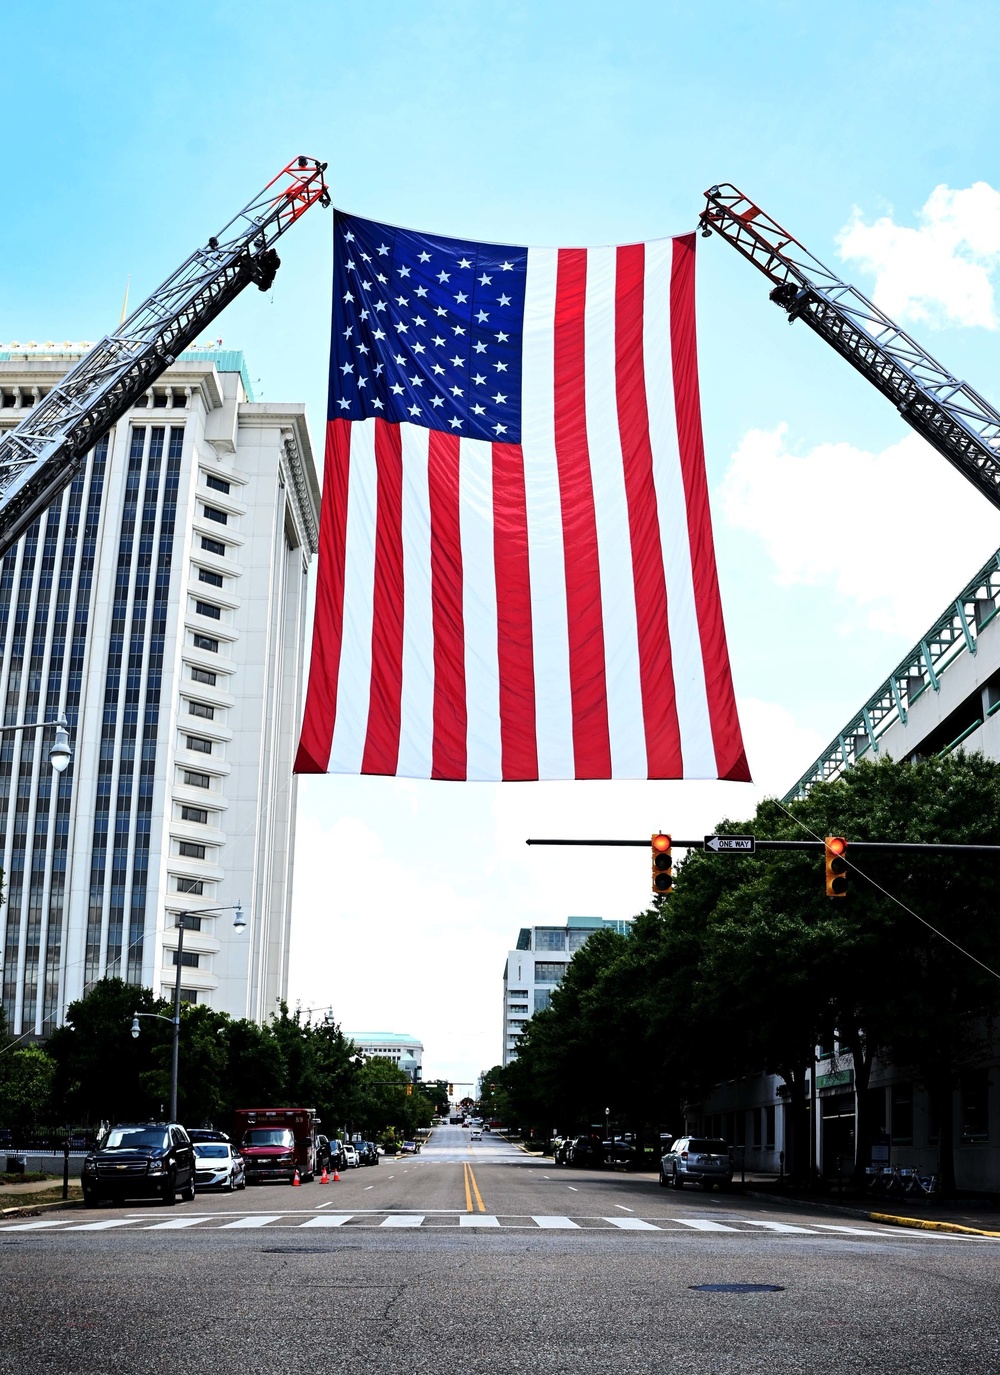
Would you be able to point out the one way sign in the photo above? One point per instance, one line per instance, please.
(731, 844)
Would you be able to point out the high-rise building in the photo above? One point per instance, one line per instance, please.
(537, 965)
(161, 604)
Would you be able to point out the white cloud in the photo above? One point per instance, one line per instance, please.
(862, 525)
(940, 272)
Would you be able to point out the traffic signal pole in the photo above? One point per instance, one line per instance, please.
(931, 846)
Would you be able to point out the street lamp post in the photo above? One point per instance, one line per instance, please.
(61, 752)
(239, 922)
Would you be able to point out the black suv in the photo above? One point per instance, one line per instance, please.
(141, 1160)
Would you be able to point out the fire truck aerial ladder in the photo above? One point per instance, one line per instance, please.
(960, 423)
(40, 456)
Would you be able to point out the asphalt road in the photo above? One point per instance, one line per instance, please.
(474, 1257)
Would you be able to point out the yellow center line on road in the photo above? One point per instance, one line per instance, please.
(468, 1194)
(475, 1189)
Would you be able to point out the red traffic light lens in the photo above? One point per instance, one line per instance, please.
(836, 845)
(661, 842)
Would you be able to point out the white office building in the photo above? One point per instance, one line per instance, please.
(537, 965)
(161, 603)
(389, 1045)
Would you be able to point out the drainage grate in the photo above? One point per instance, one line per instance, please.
(737, 1288)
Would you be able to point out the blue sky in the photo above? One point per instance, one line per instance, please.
(134, 132)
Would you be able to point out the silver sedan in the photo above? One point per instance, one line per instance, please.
(218, 1166)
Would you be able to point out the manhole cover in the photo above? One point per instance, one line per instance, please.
(737, 1288)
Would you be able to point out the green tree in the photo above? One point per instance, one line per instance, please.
(101, 1071)
(26, 1077)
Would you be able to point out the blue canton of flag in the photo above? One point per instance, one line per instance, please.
(427, 330)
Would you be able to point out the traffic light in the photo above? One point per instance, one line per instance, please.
(409, 1090)
(451, 1090)
(836, 866)
(663, 878)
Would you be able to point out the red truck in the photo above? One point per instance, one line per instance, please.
(275, 1142)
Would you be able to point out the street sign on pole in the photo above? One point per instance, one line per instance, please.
(720, 845)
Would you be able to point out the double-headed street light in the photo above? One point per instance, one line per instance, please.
(239, 922)
(61, 752)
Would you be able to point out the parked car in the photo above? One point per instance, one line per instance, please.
(324, 1154)
(351, 1161)
(338, 1160)
(204, 1134)
(373, 1148)
(703, 1160)
(560, 1149)
(586, 1151)
(367, 1153)
(141, 1160)
(218, 1166)
(623, 1151)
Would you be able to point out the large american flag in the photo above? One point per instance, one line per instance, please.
(517, 577)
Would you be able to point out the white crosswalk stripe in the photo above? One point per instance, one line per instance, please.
(478, 1220)
(631, 1224)
(175, 1224)
(327, 1220)
(252, 1221)
(700, 1225)
(782, 1227)
(555, 1222)
(402, 1221)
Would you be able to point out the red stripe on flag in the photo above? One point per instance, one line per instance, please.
(449, 758)
(730, 757)
(659, 703)
(382, 740)
(588, 684)
(515, 645)
(316, 739)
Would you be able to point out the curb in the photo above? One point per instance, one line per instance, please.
(863, 1215)
(926, 1225)
(27, 1210)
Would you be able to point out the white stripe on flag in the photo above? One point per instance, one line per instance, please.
(354, 680)
(416, 725)
(626, 724)
(697, 747)
(546, 557)
(479, 608)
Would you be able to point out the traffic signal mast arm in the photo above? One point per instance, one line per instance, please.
(960, 423)
(39, 457)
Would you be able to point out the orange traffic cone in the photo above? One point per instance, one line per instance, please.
(336, 1177)
(296, 1181)
(324, 1177)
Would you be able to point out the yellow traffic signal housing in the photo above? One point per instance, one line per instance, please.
(835, 851)
(409, 1090)
(663, 865)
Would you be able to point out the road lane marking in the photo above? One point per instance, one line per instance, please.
(477, 1220)
(475, 1189)
(175, 1224)
(631, 1224)
(369, 1186)
(327, 1220)
(701, 1226)
(852, 1231)
(468, 1191)
(564, 1222)
(573, 1187)
(327, 1205)
(622, 1206)
(398, 1221)
(782, 1227)
(253, 1221)
(102, 1226)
